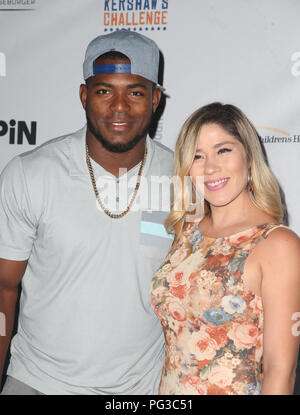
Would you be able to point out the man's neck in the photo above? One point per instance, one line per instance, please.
(111, 161)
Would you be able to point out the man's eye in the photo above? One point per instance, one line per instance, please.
(102, 91)
(136, 93)
(224, 150)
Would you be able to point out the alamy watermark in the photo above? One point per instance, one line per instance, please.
(154, 194)
(2, 324)
(296, 326)
(2, 64)
(296, 66)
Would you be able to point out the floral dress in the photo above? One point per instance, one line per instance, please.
(213, 324)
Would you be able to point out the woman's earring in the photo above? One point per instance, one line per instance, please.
(250, 182)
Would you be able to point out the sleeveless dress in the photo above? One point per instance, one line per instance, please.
(213, 324)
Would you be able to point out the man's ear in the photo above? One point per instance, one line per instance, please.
(156, 96)
(83, 95)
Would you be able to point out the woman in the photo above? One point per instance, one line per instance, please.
(229, 288)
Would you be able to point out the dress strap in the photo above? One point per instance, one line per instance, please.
(268, 231)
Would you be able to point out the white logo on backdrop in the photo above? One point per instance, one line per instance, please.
(16, 4)
(2, 64)
(296, 66)
(159, 131)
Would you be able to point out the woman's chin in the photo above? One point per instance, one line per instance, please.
(219, 203)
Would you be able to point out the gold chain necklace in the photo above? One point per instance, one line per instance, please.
(114, 215)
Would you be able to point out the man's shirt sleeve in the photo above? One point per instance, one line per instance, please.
(17, 223)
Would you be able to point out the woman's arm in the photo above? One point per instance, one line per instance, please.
(280, 290)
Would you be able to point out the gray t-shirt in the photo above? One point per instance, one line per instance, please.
(86, 325)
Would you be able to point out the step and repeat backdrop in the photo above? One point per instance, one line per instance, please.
(243, 52)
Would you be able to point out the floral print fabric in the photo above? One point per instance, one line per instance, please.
(213, 324)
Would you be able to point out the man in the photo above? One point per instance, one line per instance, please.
(86, 260)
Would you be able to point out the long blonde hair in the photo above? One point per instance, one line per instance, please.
(263, 186)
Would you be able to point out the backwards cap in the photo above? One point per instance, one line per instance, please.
(142, 52)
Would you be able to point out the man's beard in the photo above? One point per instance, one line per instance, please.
(118, 147)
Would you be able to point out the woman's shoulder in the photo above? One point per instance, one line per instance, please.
(279, 234)
(281, 245)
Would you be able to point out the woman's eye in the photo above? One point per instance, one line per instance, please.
(224, 150)
(197, 157)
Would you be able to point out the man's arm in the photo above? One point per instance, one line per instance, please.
(11, 273)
